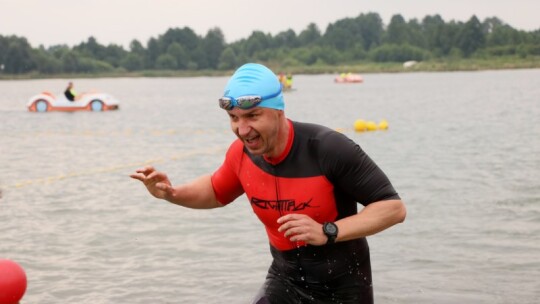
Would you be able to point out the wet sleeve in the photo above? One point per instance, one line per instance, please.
(352, 170)
(225, 182)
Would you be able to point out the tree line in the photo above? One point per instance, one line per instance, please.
(350, 40)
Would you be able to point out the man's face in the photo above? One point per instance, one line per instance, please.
(257, 128)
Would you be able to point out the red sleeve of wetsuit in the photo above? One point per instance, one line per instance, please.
(225, 182)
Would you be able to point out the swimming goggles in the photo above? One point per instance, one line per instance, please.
(244, 102)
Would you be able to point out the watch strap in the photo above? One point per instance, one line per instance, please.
(331, 231)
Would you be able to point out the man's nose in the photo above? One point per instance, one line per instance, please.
(243, 128)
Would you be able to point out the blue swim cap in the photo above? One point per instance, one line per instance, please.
(256, 79)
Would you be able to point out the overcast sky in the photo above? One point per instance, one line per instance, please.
(51, 22)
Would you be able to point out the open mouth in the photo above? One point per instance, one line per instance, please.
(251, 141)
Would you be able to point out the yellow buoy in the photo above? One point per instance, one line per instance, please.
(371, 126)
(360, 125)
(383, 125)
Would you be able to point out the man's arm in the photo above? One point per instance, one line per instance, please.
(197, 194)
(374, 218)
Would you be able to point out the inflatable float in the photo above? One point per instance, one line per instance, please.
(47, 102)
(349, 78)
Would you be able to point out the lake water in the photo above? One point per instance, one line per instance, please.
(463, 151)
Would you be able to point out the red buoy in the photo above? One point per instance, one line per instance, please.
(12, 282)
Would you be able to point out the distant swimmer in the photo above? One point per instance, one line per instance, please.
(288, 81)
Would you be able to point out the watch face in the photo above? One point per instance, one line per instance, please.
(330, 228)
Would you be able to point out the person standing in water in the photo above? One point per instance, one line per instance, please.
(304, 182)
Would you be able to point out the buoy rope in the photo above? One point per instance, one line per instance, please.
(118, 167)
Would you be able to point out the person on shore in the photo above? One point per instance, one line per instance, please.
(304, 182)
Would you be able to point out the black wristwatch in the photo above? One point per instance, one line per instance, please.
(331, 231)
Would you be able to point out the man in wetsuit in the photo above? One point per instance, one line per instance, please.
(304, 182)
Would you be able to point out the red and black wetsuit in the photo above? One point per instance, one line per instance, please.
(323, 174)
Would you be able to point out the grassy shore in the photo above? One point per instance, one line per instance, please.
(496, 63)
(425, 66)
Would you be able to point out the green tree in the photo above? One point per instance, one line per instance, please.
(309, 36)
(491, 24)
(132, 62)
(397, 53)
(45, 62)
(3, 51)
(186, 37)
(343, 34)
(416, 35)
(471, 37)
(256, 42)
(397, 31)
(91, 65)
(448, 37)
(180, 55)
(91, 48)
(199, 61)
(166, 62)
(286, 39)
(305, 55)
(213, 44)
(227, 60)
(503, 35)
(152, 53)
(371, 30)
(327, 54)
(337, 37)
(17, 58)
(70, 62)
(136, 48)
(357, 52)
(114, 54)
(432, 29)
